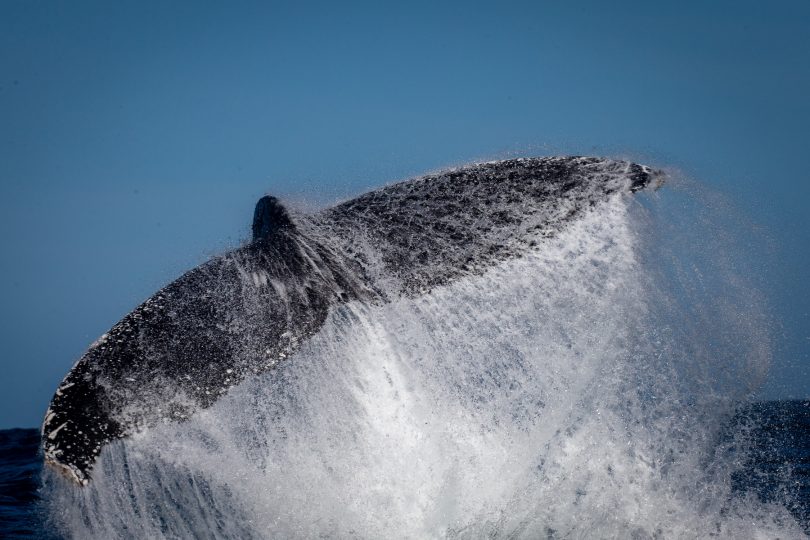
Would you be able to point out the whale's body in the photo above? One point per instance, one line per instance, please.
(243, 312)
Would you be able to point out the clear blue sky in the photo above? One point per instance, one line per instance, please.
(136, 136)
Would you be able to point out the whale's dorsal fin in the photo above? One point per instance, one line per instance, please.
(270, 218)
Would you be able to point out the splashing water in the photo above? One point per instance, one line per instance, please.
(577, 392)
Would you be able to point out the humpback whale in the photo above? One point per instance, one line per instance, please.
(245, 311)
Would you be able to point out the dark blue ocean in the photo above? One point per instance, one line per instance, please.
(776, 470)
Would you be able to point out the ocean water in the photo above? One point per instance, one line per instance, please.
(775, 467)
(599, 386)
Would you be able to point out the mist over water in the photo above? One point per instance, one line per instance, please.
(577, 392)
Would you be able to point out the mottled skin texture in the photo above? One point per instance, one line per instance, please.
(241, 313)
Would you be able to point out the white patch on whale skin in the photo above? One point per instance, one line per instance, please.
(63, 387)
(100, 341)
(53, 433)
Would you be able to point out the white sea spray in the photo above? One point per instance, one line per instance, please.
(576, 392)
